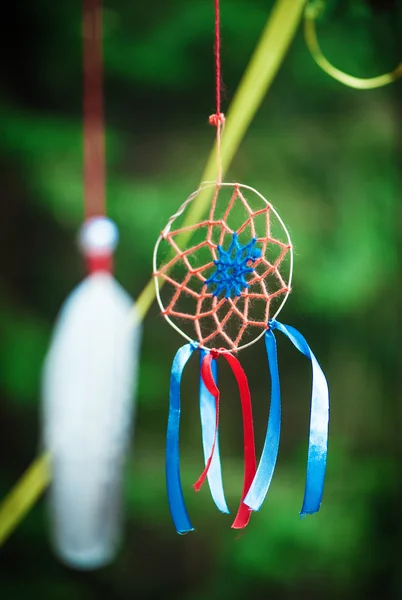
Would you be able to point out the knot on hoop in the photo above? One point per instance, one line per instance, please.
(272, 324)
(217, 119)
(214, 352)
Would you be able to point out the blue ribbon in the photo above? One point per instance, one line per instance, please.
(173, 483)
(208, 423)
(319, 419)
(262, 480)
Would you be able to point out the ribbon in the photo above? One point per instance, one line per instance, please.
(173, 483)
(319, 420)
(208, 427)
(209, 382)
(243, 514)
(250, 465)
(262, 480)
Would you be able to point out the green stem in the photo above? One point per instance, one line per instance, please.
(24, 495)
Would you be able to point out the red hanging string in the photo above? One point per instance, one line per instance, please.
(94, 136)
(218, 119)
(218, 57)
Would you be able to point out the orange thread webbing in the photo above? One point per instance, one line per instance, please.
(257, 279)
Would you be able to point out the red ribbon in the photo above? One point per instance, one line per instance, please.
(250, 464)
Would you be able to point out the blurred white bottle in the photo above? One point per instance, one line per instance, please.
(89, 382)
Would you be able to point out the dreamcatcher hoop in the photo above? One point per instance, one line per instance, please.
(166, 231)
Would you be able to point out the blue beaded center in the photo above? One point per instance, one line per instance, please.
(232, 266)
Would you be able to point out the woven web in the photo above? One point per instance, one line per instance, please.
(189, 302)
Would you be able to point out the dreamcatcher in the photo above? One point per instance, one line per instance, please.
(211, 330)
(221, 283)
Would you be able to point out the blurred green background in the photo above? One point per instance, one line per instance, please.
(328, 157)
